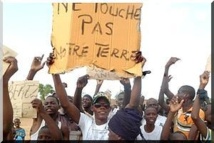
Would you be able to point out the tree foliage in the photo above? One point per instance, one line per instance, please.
(44, 90)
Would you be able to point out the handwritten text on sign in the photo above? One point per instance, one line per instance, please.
(21, 95)
(103, 34)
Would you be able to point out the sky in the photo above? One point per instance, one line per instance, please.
(168, 29)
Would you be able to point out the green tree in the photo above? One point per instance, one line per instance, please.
(44, 90)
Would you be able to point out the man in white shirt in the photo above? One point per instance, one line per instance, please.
(160, 121)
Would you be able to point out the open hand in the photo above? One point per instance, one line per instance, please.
(172, 61)
(174, 104)
(37, 63)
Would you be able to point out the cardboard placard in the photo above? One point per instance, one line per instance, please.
(102, 34)
(7, 52)
(21, 94)
(101, 74)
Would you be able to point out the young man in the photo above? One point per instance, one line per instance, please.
(150, 130)
(51, 107)
(52, 131)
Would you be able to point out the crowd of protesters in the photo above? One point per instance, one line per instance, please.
(186, 115)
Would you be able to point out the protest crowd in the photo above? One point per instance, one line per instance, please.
(185, 115)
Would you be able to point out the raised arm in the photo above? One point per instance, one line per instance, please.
(174, 107)
(98, 86)
(164, 87)
(35, 67)
(56, 134)
(127, 91)
(7, 106)
(70, 108)
(136, 90)
(81, 83)
(171, 61)
(204, 79)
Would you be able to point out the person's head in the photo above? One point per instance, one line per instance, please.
(87, 101)
(101, 106)
(44, 134)
(119, 99)
(125, 125)
(187, 93)
(178, 135)
(152, 102)
(51, 105)
(150, 115)
(16, 122)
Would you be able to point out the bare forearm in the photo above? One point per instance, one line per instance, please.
(60, 90)
(71, 109)
(135, 94)
(127, 94)
(161, 101)
(31, 74)
(97, 89)
(78, 99)
(167, 126)
(7, 111)
(52, 126)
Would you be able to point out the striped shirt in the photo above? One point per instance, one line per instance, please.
(184, 122)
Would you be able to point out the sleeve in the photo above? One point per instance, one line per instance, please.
(202, 114)
(84, 120)
(208, 137)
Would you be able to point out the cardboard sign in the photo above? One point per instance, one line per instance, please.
(21, 94)
(208, 65)
(102, 34)
(101, 74)
(7, 52)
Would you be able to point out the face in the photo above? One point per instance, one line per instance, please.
(51, 105)
(120, 99)
(153, 103)
(86, 102)
(17, 123)
(150, 115)
(44, 134)
(101, 109)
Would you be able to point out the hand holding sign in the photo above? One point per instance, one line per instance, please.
(7, 52)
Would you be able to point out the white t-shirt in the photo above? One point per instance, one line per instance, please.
(112, 113)
(35, 135)
(154, 135)
(160, 121)
(90, 130)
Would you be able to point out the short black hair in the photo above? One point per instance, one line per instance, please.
(53, 97)
(189, 90)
